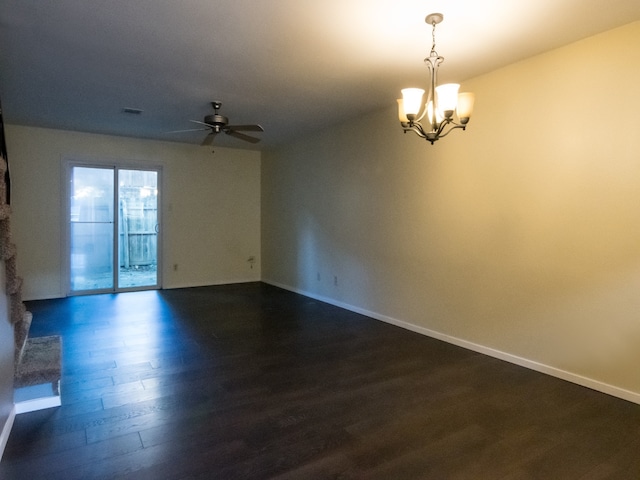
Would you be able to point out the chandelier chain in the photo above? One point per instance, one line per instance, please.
(433, 39)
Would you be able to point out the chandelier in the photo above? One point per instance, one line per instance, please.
(436, 117)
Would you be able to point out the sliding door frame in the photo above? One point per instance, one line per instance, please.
(68, 163)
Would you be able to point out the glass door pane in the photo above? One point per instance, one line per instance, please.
(91, 232)
(138, 228)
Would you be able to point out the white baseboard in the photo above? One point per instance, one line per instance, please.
(523, 362)
(175, 286)
(6, 430)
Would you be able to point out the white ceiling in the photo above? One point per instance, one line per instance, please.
(290, 65)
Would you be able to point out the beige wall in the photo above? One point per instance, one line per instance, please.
(520, 237)
(211, 206)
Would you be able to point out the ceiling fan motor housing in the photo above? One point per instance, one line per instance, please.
(220, 120)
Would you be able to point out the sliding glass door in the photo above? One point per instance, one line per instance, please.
(137, 228)
(113, 228)
(91, 229)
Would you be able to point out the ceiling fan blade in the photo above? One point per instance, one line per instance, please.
(189, 130)
(202, 123)
(247, 128)
(208, 140)
(242, 136)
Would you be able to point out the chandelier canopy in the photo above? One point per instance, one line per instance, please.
(444, 109)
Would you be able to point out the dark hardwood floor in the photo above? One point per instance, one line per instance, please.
(253, 382)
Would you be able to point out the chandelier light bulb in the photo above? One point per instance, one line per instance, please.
(412, 101)
(401, 115)
(465, 106)
(447, 98)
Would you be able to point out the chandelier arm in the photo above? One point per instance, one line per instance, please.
(415, 128)
(430, 98)
(432, 62)
(441, 126)
(463, 127)
(447, 121)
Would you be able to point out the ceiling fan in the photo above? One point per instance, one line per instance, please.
(217, 123)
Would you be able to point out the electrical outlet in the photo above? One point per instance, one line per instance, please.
(318, 276)
(335, 280)
(175, 267)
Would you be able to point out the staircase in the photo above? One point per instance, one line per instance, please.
(37, 361)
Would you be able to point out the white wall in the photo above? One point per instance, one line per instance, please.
(211, 206)
(520, 236)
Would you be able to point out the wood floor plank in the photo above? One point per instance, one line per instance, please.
(250, 381)
(51, 465)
